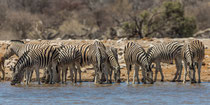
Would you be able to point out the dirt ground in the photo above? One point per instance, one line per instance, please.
(168, 69)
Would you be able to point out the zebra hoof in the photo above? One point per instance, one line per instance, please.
(173, 80)
(179, 80)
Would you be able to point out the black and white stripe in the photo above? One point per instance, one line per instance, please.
(35, 59)
(69, 56)
(113, 64)
(166, 53)
(18, 48)
(193, 54)
(95, 54)
(135, 54)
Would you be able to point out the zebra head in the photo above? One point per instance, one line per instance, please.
(16, 76)
(13, 48)
(149, 74)
(188, 56)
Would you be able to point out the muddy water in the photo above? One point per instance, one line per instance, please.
(114, 94)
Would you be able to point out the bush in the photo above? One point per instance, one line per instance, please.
(167, 21)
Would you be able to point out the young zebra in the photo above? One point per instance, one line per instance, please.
(69, 56)
(166, 52)
(135, 54)
(113, 64)
(193, 54)
(35, 59)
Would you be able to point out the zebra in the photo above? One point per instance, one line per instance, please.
(18, 48)
(193, 54)
(35, 59)
(135, 54)
(113, 64)
(69, 55)
(166, 52)
(95, 54)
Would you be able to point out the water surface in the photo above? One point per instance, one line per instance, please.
(167, 93)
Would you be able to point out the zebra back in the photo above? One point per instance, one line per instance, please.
(164, 52)
(69, 54)
(193, 51)
(84, 50)
(19, 48)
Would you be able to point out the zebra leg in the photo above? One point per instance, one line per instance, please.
(65, 74)
(199, 71)
(30, 75)
(55, 74)
(143, 76)
(177, 70)
(161, 73)
(75, 73)
(128, 72)
(106, 72)
(185, 72)
(47, 80)
(190, 76)
(110, 74)
(37, 75)
(180, 71)
(79, 70)
(71, 75)
(62, 70)
(43, 79)
(96, 75)
(137, 73)
(27, 76)
(50, 75)
(156, 71)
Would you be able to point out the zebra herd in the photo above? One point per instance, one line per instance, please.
(57, 59)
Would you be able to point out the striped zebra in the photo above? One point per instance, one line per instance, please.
(135, 54)
(95, 54)
(69, 56)
(113, 64)
(18, 48)
(193, 54)
(166, 52)
(35, 59)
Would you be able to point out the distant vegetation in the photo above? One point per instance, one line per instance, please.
(102, 19)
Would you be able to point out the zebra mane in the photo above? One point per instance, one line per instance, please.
(18, 41)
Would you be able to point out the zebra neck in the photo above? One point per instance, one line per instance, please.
(17, 49)
(24, 61)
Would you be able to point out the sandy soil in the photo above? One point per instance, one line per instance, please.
(168, 69)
